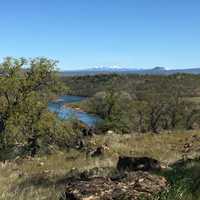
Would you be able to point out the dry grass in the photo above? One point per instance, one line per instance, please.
(43, 177)
(193, 99)
(166, 147)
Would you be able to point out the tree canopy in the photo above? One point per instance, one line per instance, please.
(26, 86)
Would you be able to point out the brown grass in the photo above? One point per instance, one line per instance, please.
(42, 177)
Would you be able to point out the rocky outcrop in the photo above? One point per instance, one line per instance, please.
(126, 163)
(130, 186)
(130, 180)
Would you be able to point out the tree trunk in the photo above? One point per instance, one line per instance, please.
(33, 145)
(2, 134)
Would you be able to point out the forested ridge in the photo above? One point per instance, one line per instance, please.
(141, 103)
(90, 85)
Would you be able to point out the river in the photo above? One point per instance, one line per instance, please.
(66, 113)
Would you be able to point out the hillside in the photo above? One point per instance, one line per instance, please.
(46, 176)
(131, 83)
(146, 144)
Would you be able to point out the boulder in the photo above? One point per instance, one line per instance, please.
(126, 163)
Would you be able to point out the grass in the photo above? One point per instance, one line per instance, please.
(166, 147)
(193, 99)
(43, 177)
(184, 181)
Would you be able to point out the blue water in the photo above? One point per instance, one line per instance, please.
(66, 113)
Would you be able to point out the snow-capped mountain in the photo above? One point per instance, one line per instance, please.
(124, 70)
(109, 68)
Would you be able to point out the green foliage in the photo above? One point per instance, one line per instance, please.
(26, 86)
(112, 106)
(134, 84)
(184, 182)
(134, 103)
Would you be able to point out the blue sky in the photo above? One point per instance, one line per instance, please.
(87, 33)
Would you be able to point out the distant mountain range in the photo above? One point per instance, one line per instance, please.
(121, 70)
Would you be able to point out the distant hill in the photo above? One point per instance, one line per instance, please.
(109, 70)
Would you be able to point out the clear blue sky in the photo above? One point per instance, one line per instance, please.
(87, 33)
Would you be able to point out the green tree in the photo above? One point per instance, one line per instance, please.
(26, 86)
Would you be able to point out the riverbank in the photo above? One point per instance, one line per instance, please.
(74, 106)
(66, 108)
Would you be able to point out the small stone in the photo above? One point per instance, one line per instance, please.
(110, 132)
(140, 180)
(41, 164)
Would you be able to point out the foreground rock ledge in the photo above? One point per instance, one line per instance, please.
(131, 186)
